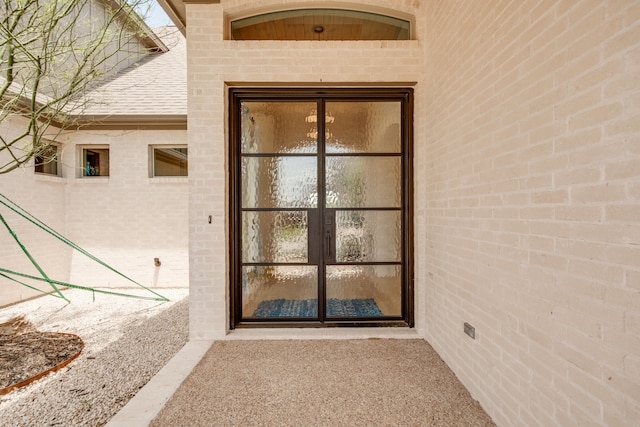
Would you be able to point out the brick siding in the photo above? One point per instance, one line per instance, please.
(533, 225)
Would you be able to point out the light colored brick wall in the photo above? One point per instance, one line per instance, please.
(43, 197)
(128, 218)
(526, 189)
(213, 64)
(533, 206)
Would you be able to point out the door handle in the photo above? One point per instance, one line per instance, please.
(329, 235)
(327, 243)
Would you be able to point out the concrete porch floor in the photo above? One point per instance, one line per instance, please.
(324, 377)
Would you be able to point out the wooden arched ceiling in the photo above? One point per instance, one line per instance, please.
(320, 24)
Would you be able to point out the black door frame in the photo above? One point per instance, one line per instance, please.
(240, 94)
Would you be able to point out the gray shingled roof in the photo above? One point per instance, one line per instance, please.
(155, 86)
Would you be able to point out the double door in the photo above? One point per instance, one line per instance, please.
(321, 207)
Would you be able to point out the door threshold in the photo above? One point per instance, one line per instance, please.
(322, 333)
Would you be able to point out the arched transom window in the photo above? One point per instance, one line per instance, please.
(320, 24)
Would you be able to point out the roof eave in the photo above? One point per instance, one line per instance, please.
(137, 121)
(150, 40)
(176, 11)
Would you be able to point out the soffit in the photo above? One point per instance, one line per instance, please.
(176, 11)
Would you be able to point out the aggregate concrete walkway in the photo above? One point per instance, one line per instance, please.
(374, 382)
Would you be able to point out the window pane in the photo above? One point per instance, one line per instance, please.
(278, 127)
(269, 236)
(279, 182)
(363, 127)
(368, 236)
(47, 162)
(170, 161)
(364, 290)
(95, 162)
(354, 182)
(280, 291)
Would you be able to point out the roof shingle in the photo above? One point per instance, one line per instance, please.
(155, 86)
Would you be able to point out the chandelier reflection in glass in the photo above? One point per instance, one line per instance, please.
(313, 118)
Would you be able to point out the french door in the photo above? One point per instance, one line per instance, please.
(321, 207)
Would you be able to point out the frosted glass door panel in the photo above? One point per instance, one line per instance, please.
(280, 291)
(368, 236)
(363, 127)
(358, 182)
(279, 182)
(364, 290)
(278, 127)
(272, 236)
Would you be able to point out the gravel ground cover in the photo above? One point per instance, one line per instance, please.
(350, 383)
(127, 341)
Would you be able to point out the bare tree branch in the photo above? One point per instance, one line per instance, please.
(53, 53)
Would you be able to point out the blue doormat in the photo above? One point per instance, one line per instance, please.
(309, 308)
